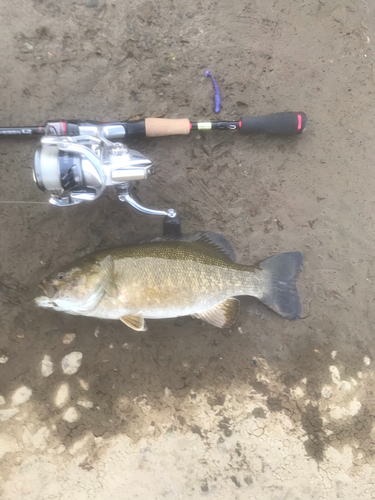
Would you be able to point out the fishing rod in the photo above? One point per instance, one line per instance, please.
(77, 160)
(286, 123)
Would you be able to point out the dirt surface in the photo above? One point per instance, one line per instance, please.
(270, 409)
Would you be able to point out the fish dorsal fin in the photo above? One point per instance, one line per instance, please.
(218, 245)
(222, 315)
(107, 276)
(135, 321)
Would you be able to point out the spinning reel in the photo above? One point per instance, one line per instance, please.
(80, 167)
(77, 161)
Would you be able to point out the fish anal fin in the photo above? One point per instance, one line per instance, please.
(135, 321)
(223, 315)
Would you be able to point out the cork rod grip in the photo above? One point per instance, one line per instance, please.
(156, 127)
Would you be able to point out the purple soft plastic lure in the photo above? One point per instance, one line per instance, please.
(217, 93)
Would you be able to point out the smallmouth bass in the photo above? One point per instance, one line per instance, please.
(169, 277)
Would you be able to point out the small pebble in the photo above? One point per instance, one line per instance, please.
(125, 346)
(46, 366)
(354, 407)
(335, 374)
(333, 354)
(62, 395)
(85, 386)
(68, 338)
(85, 403)
(71, 362)
(326, 392)
(3, 359)
(366, 360)
(345, 386)
(71, 415)
(167, 392)
(21, 395)
(96, 332)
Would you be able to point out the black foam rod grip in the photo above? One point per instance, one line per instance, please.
(286, 123)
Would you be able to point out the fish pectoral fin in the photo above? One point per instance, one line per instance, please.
(222, 315)
(107, 276)
(135, 321)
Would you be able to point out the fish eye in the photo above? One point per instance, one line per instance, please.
(61, 276)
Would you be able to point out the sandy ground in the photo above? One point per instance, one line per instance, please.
(270, 409)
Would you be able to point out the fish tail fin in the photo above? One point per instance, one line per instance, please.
(280, 293)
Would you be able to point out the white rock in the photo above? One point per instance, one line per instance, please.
(85, 385)
(326, 391)
(345, 386)
(167, 392)
(71, 415)
(71, 362)
(333, 354)
(366, 360)
(354, 407)
(335, 374)
(21, 395)
(62, 395)
(3, 359)
(7, 414)
(85, 403)
(68, 338)
(340, 412)
(2, 400)
(46, 366)
(297, 392)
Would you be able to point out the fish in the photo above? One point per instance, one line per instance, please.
(169, 277)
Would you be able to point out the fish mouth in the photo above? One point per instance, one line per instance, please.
(50, 291)
(46, 300)
(43, 288)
